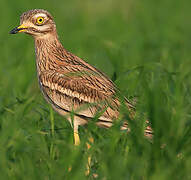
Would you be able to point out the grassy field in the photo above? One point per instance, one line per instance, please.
(145, 47)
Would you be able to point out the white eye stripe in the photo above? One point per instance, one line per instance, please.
(40, 15)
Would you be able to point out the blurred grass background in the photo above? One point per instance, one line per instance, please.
(144, 46)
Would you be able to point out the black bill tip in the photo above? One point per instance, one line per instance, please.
(14, 31)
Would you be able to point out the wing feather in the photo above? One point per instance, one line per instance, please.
(81, 93)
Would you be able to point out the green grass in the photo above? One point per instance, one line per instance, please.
(145, 47)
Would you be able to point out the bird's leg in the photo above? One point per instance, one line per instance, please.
(76, 135)
(76, 124)
(91, 140)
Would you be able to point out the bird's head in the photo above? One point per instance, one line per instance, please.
(36, 22)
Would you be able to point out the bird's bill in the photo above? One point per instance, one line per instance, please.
(18, 29)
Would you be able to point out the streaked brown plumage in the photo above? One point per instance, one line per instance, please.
(68, 83)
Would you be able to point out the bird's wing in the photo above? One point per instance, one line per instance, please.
(82, 92)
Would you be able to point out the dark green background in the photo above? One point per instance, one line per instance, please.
(144, 46)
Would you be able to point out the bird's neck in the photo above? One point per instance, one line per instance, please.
(45, 46)
(47, 40)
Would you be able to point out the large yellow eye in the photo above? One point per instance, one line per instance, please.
(39, 20)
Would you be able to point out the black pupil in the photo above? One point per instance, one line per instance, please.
(40, 20)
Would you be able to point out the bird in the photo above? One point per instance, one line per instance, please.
(69, 83)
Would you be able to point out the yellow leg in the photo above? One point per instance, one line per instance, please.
(91, 140)
(76, 139)
(76, 135)
(77, 142)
